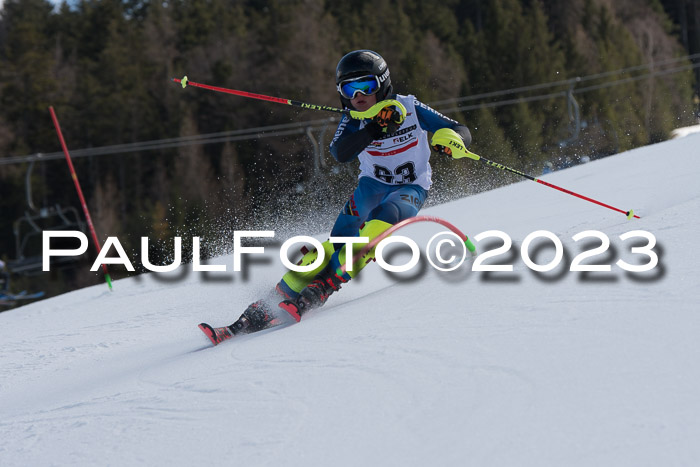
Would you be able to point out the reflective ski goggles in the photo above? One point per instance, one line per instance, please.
(366, 85)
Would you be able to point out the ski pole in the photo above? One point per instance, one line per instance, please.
(108, 279)
(459, 152)
(629, 213)
(369, 113)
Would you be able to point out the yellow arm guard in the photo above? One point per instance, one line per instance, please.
(450, 139)
(376, 108)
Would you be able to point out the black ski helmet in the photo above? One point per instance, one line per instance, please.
(361, 63)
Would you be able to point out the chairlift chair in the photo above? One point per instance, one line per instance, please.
(28, 232)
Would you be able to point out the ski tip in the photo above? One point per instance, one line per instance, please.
(209, 332)
(291, 308)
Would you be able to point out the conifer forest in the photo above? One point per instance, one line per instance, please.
(542, 84)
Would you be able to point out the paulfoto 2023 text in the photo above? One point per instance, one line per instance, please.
(645, 252)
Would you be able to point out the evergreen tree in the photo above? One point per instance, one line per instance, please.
(105, 66)
(27, 67)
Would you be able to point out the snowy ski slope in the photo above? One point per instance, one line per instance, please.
(424, 368)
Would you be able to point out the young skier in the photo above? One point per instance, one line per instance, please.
(394, 180)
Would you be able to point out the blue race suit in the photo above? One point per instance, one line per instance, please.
(395, 173)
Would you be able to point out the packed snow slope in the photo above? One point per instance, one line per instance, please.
(419, 368)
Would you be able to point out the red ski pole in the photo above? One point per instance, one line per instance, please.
(369, 113)
(630, 214)
(444, 137)
(108, 279)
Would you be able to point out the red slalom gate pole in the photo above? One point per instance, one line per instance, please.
(108, 279)
(467, 242)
